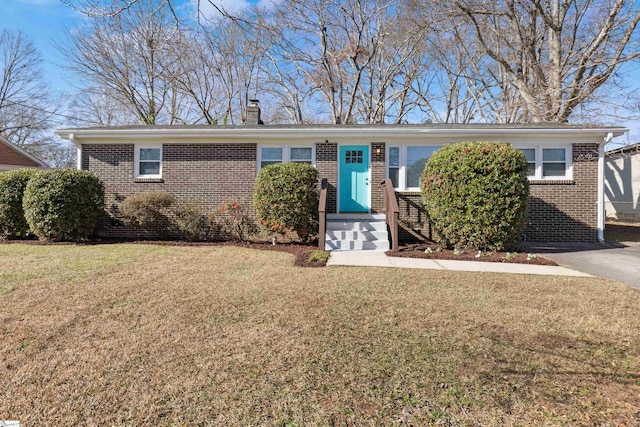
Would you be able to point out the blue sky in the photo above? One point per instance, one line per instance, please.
(44, 22)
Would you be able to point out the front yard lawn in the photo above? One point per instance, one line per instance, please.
(158, 335)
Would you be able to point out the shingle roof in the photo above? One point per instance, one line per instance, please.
(469, 126)
(627, 149)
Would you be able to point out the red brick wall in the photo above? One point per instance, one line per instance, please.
(214, 173)
(566, 211)
(9, 156)
(327, 164)
(208, 173)
(559, 211)
(378, 172)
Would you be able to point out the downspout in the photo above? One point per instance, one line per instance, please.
(72, 138)
(601, 213)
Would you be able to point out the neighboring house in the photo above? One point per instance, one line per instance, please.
(14, 157)
(622, 178)
(217, 163)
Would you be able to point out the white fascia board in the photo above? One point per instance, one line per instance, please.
(267, 135)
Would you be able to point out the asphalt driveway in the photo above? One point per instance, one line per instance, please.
(619, 262)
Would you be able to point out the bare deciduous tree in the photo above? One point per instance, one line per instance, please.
(96, 107)
(358, 59)
(26, 108)
(556, 53)
(382, 61)
(123, 54)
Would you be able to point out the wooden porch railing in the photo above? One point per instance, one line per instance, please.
(391, 211)
(322, 213)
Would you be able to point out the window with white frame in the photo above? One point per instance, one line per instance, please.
(548, 163)
(270, 155)
(148, 161)
(301, 155)
(554, 162)
(405, 164)
(393, 163)
(530, 155)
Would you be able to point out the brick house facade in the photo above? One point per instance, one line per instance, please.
(14, 157)
(214, 164)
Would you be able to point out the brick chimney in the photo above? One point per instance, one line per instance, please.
(253, 113)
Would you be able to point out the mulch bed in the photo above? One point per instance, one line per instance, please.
(301, 251)
(624, 228)
(623, 231)
(418, 251)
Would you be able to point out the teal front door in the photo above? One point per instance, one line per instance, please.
(354, 178)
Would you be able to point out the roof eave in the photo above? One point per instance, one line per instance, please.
(323, 133)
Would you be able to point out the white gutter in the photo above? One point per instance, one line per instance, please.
(601, 212)
(320, 133)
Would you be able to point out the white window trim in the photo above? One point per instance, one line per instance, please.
(136, 161)
(535, 162)
(286, 153)
(568, 171)
(402, 175)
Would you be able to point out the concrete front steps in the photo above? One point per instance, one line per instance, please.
(356, 232)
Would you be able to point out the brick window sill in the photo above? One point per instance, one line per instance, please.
(148, 180)
(552, 182)
(531, 182)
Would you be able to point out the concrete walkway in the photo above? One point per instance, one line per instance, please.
(379, 259)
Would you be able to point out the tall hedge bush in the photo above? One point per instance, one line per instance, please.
(476, 194)
(63, 204)
(286, 199)
(12, 186)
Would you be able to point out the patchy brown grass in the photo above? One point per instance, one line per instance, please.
(159, 335)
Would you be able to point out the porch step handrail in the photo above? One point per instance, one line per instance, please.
(391, 211)
(322, 214)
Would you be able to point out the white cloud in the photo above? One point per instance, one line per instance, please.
(210, 9)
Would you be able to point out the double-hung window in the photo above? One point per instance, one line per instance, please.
(551, 163)
(148, 161)
(530, 155)
(270, 155)
(554, 162)
(301, 155)
(393, 163)
(405, 164)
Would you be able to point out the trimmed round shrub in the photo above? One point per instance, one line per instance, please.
(476, 194)
(63, 204)
(286, 199)
(12, 185)
(149, 211)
